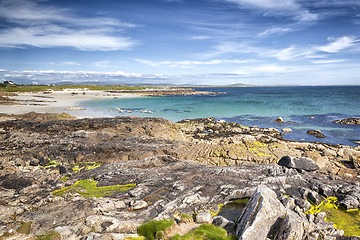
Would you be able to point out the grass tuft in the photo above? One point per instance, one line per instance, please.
(205, 231)
(154, 229)
(52, 235)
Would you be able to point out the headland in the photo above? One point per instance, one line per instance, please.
(63, 177)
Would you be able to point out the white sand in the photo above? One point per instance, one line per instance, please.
(58, 101)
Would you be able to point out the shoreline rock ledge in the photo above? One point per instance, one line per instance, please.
(348, 121)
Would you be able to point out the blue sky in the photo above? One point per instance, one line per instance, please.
(260, 42)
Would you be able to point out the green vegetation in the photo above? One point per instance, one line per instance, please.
(64, 179)
(154, 229)
(51, 164)
(42, 88)
(88, 188)
(135, 238)
(52, 235)
(87, 165)
(185, 216)
(6, 235)
(24, 228)
(206, 231)
(347, 220)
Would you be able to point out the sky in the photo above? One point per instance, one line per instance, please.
(181, 42)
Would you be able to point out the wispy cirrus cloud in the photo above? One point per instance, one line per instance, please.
(191, 62)
(71, 63)
(293, 52)
(338, 44)
(287, 8)
(276, 30)
(33, 23)
(328, 61)
(102, 64)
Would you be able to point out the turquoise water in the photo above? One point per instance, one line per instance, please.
(252, 106)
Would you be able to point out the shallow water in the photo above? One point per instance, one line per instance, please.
(252, 106)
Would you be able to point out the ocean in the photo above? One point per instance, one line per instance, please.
(302, 108)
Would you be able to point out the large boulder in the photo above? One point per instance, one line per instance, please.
(260, 214)
(300, 163)
(293, 227)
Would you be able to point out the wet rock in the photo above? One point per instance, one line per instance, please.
(316, 133)
(15, 181)
(43, 161)
(279, 120)
(348, 121)
(224, 223)
(259, 215)
(300, 163)
(286, 130)
(34, 162)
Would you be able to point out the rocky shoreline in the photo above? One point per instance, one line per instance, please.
(166, 92)
(157, 170)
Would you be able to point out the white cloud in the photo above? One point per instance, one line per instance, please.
(291, 53)
(51, 76)
(200, 37)
(275, 30)
(338, 44)
(71, 63)
(36, 24)
(328, 61)
(102, 64)
(191, 62)
(278, 8)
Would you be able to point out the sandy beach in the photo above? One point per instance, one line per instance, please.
(58, 101)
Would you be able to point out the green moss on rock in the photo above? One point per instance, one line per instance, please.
(88, 188)
(347, 220)
(24, 228)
